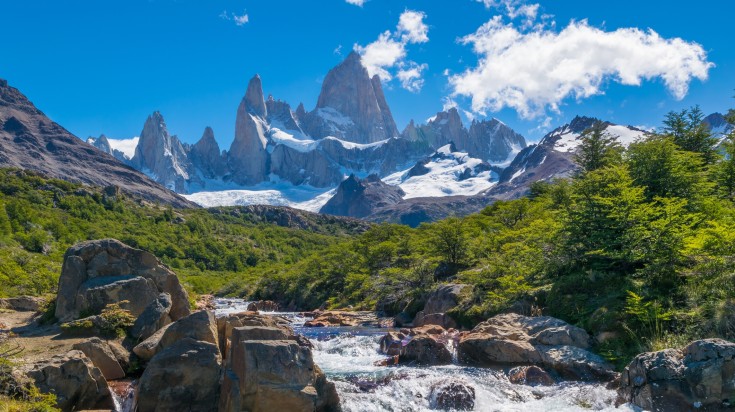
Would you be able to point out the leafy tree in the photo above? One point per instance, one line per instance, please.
(450, 240)
(687, 130)
(5, 228)
(725, 170)
(598, 149)
(664, 170)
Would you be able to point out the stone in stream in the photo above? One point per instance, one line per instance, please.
(102, 356)
(335, 318)
(510, 339)
(226, 324)
(699, 377)
(75, 381)
(457, 396)
(530, 375)
(425, 346)
(100, 272)
(263, 305)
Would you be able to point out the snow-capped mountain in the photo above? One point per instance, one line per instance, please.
(281, 156)
(553, 156)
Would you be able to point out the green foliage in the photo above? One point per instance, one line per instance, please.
(20, 395)
(115, 320)
(598, 149)
(687, 130)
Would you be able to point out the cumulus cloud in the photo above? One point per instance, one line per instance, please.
(387, 54)
(239, 20)
(536, 70)
(516, 9)
(356, 2)
(410, 76)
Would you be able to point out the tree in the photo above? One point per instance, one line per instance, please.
(5, 228)
(665, 170)
(450, 241)
(725, 170)
(689, 132)
(598, 149)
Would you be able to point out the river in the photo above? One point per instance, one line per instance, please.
(347, 357)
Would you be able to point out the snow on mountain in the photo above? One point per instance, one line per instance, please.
(125, 146)
(446, 173)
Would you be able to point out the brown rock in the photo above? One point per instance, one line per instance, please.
(456, 396)
(22, 303)
(426, 346)
(199, 326)
(75, 381)
(530, 375)
(263, 305)
(101, 355)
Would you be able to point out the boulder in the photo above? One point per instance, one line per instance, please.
(512, 339)
(699, 377)
(154, 317)
(424, 346)
(530, 375)
(102, 356)
(199, 326)
(100, 272)
(444, 298)
(226, 324)
(456, 396)
(22, 303)
(263, 305)
(439, 319)
(183, 376)
(75, 381)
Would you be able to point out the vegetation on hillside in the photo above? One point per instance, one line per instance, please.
(638, 247)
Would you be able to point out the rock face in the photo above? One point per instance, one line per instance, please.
(205, 156)
(424, 346)
(100, 272)
(511, 339)
(75, 381)
(699, 377)
(351, 106)
(443, 299)
(288, 381)
(162, 156)
(199, 326)
(361, 197)
(248, 158)
(30, 140)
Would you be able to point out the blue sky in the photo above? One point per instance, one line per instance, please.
(103, 66)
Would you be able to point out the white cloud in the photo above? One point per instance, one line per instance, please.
(338, 50)
(388, 52)
(412, 28)
(356, 2)
(534, 71)
(410, 76)
(515, 9)
(448, 103)
(239, 20)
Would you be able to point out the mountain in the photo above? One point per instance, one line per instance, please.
(30, 140)
(361, 197)
(121, 149)
(553, 156)
(718, 125)
(351, 106)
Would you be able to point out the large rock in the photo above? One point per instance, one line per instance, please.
(154, 317)
(199, 326)
(512, 339)
(100, 272)
(288, 381)
(424, 346)
(22, 303)
(699, 377)
(183, 376)
(226, 324)
(75, 381)
(102, 356)
(263, 305)
(444, 298)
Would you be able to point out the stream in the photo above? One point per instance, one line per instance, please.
(347, 356)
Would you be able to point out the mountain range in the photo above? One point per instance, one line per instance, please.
(344, 157)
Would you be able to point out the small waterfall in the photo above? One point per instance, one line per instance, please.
(123, 394)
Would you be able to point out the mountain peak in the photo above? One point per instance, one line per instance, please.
(253, 99)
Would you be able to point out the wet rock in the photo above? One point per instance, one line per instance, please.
(699, 377)
(425, 346)
(510, 338)
(452, 396)
(199, 326)
(263, 305)
(154, 317)
(205, 302)
(101, 355)
(530, 375)
(343, 318)
(97, 273)
(75, 381)
(22, 303)
(183, 376)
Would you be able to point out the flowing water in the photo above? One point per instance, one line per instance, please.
(348, 355)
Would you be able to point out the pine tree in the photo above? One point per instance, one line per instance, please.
(598, 149)
(689, 132)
